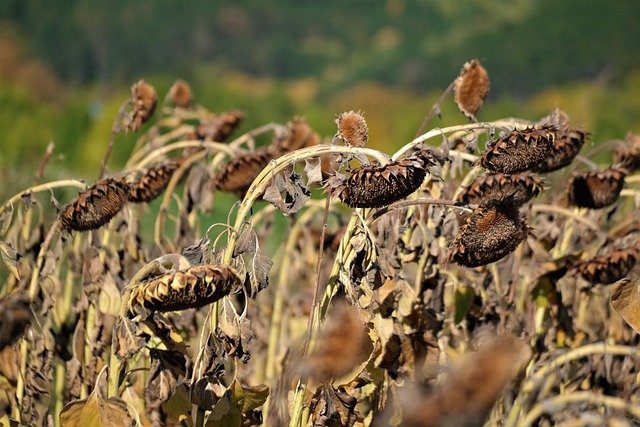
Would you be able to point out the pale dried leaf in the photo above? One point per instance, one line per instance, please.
(129, 341)
(11, 258)
(5, 219)
(95, 411)
(625, 299)
(313, 170)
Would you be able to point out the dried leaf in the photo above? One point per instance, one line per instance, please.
(129, 340)
(625, 299)
(259, 273)
(313, 171)
(11, 258)
(288, 193)
(5, 219)
(15, 316)
(247, 243)
(96, 411)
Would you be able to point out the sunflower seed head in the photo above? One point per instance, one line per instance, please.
(595, 189)
(471, 88)
(519, 151)
(95, 206)
(352, 128)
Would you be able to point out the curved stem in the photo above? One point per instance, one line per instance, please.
(159, 152)
(43, 187)
(515, 123)
(435, 107)
(413, 202)
(556, 404)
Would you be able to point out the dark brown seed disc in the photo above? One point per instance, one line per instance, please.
(611, 268)
(237, 175)
(519, 151)
(565, 148)
(219, 127)
(95, 206)
(488, 235)
(516, 189)
(471, 88)
(153, 182)
(375, 186)
(179, 290)
(595, 189)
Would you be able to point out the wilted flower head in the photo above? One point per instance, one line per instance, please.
(180, 94)
(144, 99)
(352, 128)
(471, 88)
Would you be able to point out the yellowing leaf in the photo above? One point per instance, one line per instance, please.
(625, 299)
(464, 299)
(95, 411)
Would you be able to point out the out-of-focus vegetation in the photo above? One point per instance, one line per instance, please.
(64, 64)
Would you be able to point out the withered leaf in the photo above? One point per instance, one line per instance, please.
(129, 341)
(5, 219)
(11, 258)
(95, 411)
(288, 193)
(167, 371)
(247, 243)
(625, 299)
(259, 273)
(313, 170)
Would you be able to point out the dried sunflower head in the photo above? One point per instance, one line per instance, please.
(95, 206)
(609, 268)
(566, 147)
(595, 189)
(153, 182)
(519, 151)
(144, 100)
(375, 186)
(352, 128)
(180, 94)
(471, 88)
(237, 175)
(488, 235)
(219, 127)
(628, 158)
(194, 287)
(298, 135)
(517, 189)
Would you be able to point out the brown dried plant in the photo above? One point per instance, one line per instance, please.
(96, 206)
(471, 88)
(209, 331)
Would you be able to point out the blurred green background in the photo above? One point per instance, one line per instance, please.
(66, 66)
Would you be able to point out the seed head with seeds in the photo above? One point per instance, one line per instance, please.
(352, 129)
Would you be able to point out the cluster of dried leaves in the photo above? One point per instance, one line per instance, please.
(428, 287)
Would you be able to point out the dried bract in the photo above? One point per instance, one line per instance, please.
(610, 268)
(471, 88)
(95, 206)
(144, 100)
(628, 158)
(595, 189)
(15, 316)
(180, 94)
(352, 128)
(519, 151)
(517, 189)
(488, 235)
(237, 175)
(375, 186)
(566, 147)
(153, 182)
(179, 290)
